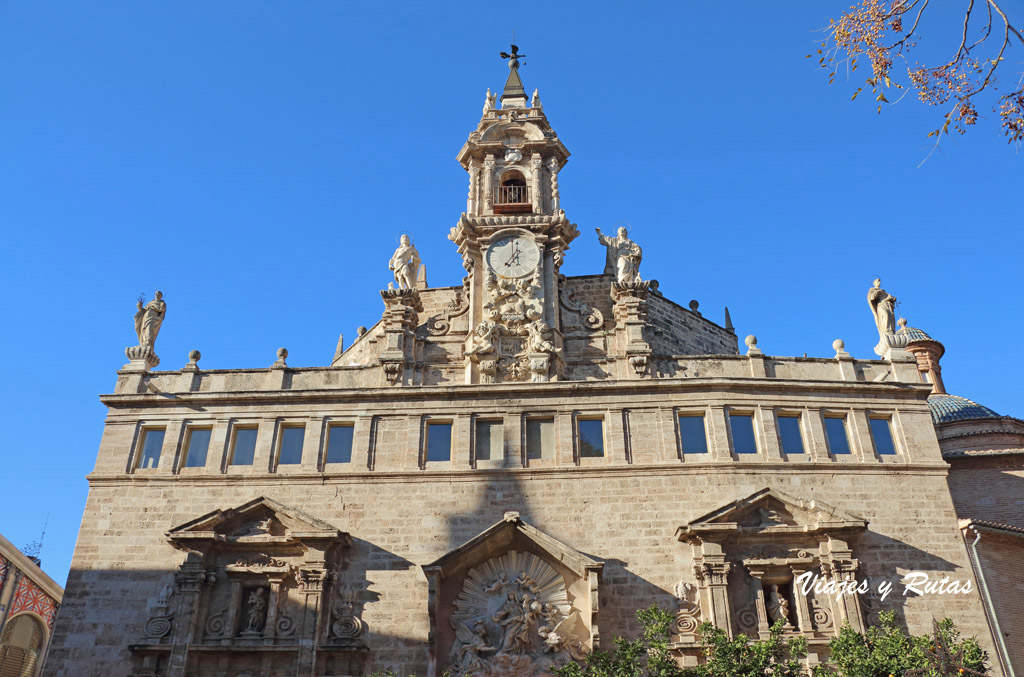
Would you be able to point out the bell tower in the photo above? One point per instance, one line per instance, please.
(513, 237)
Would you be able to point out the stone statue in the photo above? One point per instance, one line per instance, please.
(164, 598)
(883, 306)
(256, 611)
(149, 318)
(406, 264)
(538, 339)
(535, 100)
(489, 100)
(624, 256)
(778, 606)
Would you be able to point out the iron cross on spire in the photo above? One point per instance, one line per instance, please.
(513, 58)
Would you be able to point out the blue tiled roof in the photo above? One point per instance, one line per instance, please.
(914, 334)
(947, 408)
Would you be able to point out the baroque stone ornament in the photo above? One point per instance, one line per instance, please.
(624, 256)
(688, 616)
(159, 624)
(512, 342)
(405, 263)
(514, 617)
(580, 313)
(347, 625)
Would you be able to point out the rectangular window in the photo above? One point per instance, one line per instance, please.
(339, 444)
(591, 437)
(742, 426)
(835, 431)
(790, 438)
(540, 438)
(692, 434)
(244, 449)
(152, 442)
(196, 447)
(489, 441)
(290, 451)
(881, 435)
(439, 442)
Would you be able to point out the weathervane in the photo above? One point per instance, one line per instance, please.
(513, 58)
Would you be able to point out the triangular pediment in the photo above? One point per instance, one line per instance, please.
(770, 511)
(260, 521)
(509, 533)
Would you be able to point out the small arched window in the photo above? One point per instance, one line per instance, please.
(20, 646)
(513, 195)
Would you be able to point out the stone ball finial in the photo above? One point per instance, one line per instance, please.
(360, 330)
(694, 305)
(751, 341)
(282, 354)
(193, 356)
(838, 345)
(902, 322)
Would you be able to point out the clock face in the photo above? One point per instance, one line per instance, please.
(513, 256)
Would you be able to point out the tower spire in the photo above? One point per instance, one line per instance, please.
(514, 95)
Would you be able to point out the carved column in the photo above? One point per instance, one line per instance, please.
(474, 186)
(311, 578)
(488, 182)
(535, 162)
(630, 311)
(763, 625)
(803, 607)
(840, 565)
(401, 316)
(188, 583)
(712, 572)
(553, 169)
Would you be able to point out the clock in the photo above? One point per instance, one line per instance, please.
(513, 256)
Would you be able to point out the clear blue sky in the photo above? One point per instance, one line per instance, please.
(256, 160)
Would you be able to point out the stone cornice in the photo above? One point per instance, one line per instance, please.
(514, 474)
(478, 392)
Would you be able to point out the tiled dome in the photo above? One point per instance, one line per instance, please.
(947, 408)
(914, 334)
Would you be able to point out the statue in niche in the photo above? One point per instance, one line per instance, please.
(883, 306)
(256, 611)
(149, 318)
(778, 606)
(405, 262)
(624, 256)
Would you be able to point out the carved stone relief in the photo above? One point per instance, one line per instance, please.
(514, 617)
(511, 342)
(580, 314)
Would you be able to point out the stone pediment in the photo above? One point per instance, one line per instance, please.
(771, 513)
(510, 532)
(260, 522)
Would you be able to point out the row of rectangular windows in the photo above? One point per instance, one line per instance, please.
(489, 440)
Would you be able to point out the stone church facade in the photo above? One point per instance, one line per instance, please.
(493, 478)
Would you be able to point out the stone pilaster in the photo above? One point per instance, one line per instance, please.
(401, 316)
(630, 312)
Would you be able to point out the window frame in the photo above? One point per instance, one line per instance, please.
(684, 413)
(550, 417)
(329, 426)
(584, 418)
(799, 416)
(743, 413)
(140, 451)
(229, 462)
(845, 418)
(488, 419)
(187, 441)
(282, 426)
(888, 418)
(429, 421)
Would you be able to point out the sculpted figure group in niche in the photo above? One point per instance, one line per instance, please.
(624, 256)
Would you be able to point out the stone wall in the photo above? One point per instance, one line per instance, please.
(400, 521)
